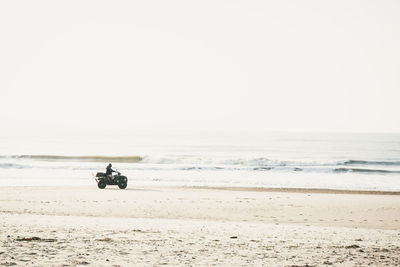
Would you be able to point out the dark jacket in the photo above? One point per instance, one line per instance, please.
(109, 171)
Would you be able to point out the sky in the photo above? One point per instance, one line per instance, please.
(201, 65)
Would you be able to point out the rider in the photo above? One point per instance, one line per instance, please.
(109, 171)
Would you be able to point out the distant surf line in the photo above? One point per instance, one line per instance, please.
(121, 159)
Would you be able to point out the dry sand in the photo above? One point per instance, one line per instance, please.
(68, 226)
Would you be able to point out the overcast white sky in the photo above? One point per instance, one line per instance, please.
(207, 65)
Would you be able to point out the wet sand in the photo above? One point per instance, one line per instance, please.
(149, 226)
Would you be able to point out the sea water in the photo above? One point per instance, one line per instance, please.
(230, 159)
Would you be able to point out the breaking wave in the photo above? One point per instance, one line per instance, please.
(261, 162)
(12, 166)
(368, 162)
(371, 171)
(121, 159)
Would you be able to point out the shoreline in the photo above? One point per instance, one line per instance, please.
(227, 188)
(297, 190)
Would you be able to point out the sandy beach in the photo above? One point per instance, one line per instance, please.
(149, 226)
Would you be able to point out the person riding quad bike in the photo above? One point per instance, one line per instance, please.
(104, 179)
(109, 172)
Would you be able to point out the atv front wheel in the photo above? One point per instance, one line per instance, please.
(101, 184)
(122, 184)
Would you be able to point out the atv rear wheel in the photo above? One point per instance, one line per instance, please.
(122, 184)
(101, 184)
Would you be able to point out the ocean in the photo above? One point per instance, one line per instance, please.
(266, 160)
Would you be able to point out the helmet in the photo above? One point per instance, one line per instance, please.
(110, 165)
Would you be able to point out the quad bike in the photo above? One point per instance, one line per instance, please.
(103, 180)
